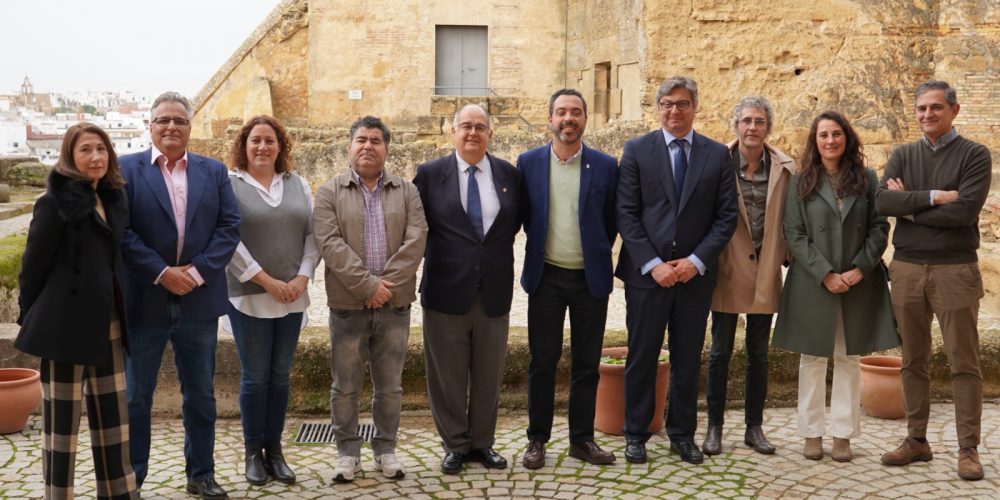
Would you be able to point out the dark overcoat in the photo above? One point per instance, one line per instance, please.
(70, 274)
(823, 239)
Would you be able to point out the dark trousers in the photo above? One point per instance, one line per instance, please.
(561, 289)
(464, 356)
(684, 312)
(758, 333)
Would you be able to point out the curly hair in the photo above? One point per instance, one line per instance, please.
(852, 163)
(238, 155)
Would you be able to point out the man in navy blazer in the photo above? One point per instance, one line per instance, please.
(568, 208)
(183, 229)
(676, 212)
(470, 200)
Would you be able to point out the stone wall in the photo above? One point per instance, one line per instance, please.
(862, 57)
(388, 54)
(266, 75)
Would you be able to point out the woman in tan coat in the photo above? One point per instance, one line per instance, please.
(836, 297)
(749, 267)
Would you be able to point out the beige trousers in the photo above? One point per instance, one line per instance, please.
(845, 395)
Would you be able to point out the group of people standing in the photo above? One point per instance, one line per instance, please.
(131, 253)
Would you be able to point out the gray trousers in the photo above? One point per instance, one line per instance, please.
(464, 356)
(379, 338)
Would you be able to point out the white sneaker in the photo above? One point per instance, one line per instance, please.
(346, 468)
(390, 466)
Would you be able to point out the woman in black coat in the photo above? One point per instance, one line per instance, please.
(71, 313)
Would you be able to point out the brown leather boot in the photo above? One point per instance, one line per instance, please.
(813, 449)
(841, 450)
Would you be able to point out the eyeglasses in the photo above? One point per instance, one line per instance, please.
(759, 122)
(469, 127)
(680, 105)
(164, 121)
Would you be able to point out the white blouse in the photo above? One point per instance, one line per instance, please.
(244, 267)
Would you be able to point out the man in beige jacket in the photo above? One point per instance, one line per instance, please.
(749, 279)
(371, 231)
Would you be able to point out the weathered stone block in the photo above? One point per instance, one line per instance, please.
(502, 106)
(28, 174)
(430, 125)
(443, 105)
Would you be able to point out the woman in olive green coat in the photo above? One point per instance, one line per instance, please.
(836, 298)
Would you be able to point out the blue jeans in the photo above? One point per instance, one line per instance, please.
(266, 347)
(378, 337)
(194, 354)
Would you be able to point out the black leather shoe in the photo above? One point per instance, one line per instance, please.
(206, 487)
(635, 452)
(452, 463)
(713, 440)
(688, 451)
(254, 467)
(755, 439)
(487, 457)
(275, 465)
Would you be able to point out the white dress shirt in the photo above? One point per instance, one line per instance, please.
(488, 198)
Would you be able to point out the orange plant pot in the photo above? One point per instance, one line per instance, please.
(20, 392)
(882, 386)
(609, 416)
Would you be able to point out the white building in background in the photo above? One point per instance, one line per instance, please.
(13, 139)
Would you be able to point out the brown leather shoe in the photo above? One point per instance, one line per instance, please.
(969, 467)
(534, 456)
(754, 438)
(589, 452)
(909, 451)
(712, 445)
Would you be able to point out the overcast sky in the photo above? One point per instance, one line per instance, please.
(140, 45)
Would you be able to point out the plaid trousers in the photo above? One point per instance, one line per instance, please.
(64, 387)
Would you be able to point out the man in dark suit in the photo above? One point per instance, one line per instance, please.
(676, 212)
(568, 208)
(471, 200)
(183, 229)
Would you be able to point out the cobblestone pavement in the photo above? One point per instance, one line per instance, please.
(737, 473)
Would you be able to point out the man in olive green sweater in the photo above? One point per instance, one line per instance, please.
(935, 187)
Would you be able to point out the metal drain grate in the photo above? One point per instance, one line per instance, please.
(311, 433)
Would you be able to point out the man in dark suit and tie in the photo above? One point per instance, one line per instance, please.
(470, 199)
(676, 212)
(183, 229)
(569, 215)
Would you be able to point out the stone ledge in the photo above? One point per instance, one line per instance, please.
(311, 372)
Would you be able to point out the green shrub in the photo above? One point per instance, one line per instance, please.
(11, 250)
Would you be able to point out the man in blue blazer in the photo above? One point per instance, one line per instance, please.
(470, 200)
(676, 212)
(183, 229)
(568, 208)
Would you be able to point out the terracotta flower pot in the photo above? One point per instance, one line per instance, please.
(20, 391)
(610, 415)
(882, 386)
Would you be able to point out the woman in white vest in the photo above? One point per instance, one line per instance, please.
(267, 279)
